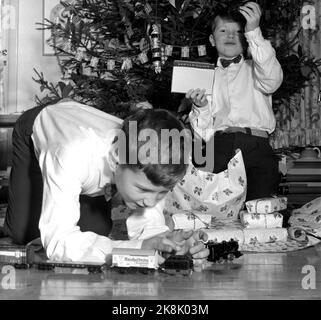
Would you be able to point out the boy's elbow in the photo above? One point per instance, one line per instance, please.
(270, 85)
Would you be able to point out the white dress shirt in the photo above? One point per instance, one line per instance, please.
(73, 143)
(242, 92)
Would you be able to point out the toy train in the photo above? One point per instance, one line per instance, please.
(123, 260)
(21, 257)
(223, 251)
(182, 264)
(132, 260)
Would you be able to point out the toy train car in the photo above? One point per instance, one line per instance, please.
(225, 250)
(61, 266)
(21, 257)
(131, 260)
(146, 261)
(182, 264)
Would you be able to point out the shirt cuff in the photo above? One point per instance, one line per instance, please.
(255, 36)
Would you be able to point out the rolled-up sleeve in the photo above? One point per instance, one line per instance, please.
(147, 223)
(202, 120)
(267, 69)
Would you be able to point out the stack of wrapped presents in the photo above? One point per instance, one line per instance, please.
(262, 221)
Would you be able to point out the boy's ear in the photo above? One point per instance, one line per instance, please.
(212, 41)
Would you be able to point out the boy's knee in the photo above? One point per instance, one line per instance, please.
(17, 236)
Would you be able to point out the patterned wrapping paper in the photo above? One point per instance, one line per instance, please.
(259, 235)
(261, 220)
(225, 234)
(247, 236)
(308, 217)
(221, 195)
(266, 205)
(191, 221)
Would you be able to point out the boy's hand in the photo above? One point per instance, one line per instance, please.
(198, 97)
(252, 13)
(165, 242)
(194, 244)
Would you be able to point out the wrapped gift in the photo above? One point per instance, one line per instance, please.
(266, 205)
(261, 220)
(191, 221)
(259, 235)
(225, 234)
(308, 217)
(221, 195)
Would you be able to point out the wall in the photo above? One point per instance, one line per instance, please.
(26, 54)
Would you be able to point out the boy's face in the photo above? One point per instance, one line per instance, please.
(227, 37)
(136, 189)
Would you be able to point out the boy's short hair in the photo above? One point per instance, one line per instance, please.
(162, 157)
(232, 15)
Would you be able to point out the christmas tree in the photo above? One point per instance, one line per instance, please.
(113, 54)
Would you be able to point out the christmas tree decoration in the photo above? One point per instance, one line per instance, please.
(185, 52)
(142, 57)
(201, 50)
(168, 50)
(110, 64)
(148, 8)
(94, 62)
(129, 38)
(156, 47)
(80, 54)
(144, 45)
(127, 64)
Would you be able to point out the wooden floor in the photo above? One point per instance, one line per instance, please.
(253, 276)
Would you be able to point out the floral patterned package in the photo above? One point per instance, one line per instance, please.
(266, 205)
(225, 234)
(191, 221)
(308, 217)
(221, 195)
(261, 220)
(259, 235)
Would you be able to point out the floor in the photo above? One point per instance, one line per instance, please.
(291, 275)
(264, 276)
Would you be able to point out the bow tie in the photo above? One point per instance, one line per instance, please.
(225, 62)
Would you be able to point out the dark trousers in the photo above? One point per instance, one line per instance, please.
(261, 164)
(26, 189)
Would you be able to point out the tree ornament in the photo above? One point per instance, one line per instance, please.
(156, 47)
(201, 50)
(185, 52)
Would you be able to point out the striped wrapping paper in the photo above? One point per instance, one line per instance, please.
(261, 220)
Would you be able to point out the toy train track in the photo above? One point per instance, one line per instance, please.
(123, 260)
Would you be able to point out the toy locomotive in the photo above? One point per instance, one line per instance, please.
(223, 251)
